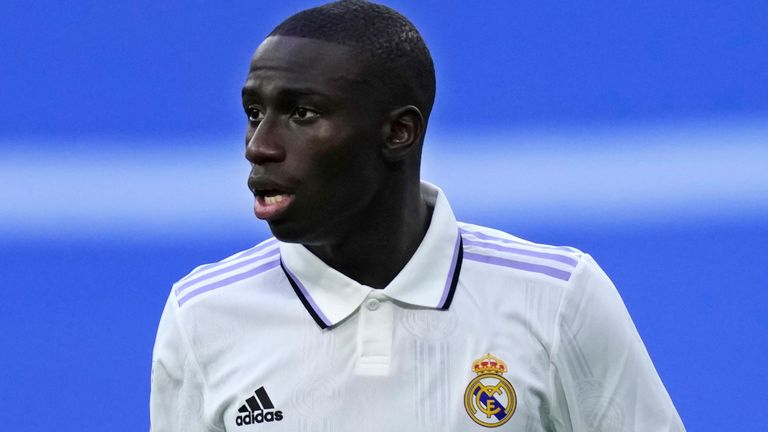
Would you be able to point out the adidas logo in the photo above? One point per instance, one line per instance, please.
(258, 409)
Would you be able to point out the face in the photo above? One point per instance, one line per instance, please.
(313, 139)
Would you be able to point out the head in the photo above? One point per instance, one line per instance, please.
(337, 99)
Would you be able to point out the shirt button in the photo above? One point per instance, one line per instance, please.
(372, 305)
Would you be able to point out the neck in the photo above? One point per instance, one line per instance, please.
(383, 241)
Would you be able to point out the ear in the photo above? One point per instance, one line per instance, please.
(402, 132)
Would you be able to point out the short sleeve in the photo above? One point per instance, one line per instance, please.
(177, 397)
(604, 377)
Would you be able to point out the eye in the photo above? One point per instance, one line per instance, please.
(302, 113)
(254, 114)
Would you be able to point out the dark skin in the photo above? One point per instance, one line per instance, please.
(343, 165)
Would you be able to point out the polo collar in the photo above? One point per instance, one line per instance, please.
(428, 280)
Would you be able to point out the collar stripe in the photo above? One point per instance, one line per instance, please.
(453, 275)
(306, 299)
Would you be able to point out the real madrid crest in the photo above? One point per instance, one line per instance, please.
(490, 399)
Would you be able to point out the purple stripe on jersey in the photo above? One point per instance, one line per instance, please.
(225, 269)
(309, 298)
(230, 280)
(449, 279)
(261, 247)
(504, 262)
(554, 257)
(242, 254)
(503, 240)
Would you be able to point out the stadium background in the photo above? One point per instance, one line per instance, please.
(635, 131)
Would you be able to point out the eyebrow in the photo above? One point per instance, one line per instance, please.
(286, 92)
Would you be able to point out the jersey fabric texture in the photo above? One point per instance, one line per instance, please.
(479, 330)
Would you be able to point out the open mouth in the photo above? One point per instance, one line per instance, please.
(270, 203)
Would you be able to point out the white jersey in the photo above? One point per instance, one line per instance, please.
(479, 330)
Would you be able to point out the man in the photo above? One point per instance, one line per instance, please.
(372, 308)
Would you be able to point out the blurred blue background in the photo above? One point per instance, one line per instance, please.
(636, 131)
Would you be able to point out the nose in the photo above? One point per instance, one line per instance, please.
(263, 143)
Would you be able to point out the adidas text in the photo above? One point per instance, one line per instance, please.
(258, 408)
(259, 417)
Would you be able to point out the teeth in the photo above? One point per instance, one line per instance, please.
(273, 199)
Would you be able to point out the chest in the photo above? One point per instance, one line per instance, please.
(388, 367)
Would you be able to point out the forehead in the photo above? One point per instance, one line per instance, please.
(282, 61)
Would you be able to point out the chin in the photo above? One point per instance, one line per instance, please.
(291, 232)
(287, 232)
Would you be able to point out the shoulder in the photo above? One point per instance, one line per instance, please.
(501, 250)
(241, 267)
(573, 273)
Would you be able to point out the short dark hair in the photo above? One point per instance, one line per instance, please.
(398, 60)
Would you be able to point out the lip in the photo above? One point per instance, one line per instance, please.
(270, 211)
(272, 198)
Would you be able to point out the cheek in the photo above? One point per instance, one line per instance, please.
(337, 153)
(354, 165)
(340, 154)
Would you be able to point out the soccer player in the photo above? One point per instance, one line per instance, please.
(372, 308)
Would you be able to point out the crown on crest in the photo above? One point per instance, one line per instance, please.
(489, 364)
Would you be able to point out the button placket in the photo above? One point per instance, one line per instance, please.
(374, 336)
(372, 304)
